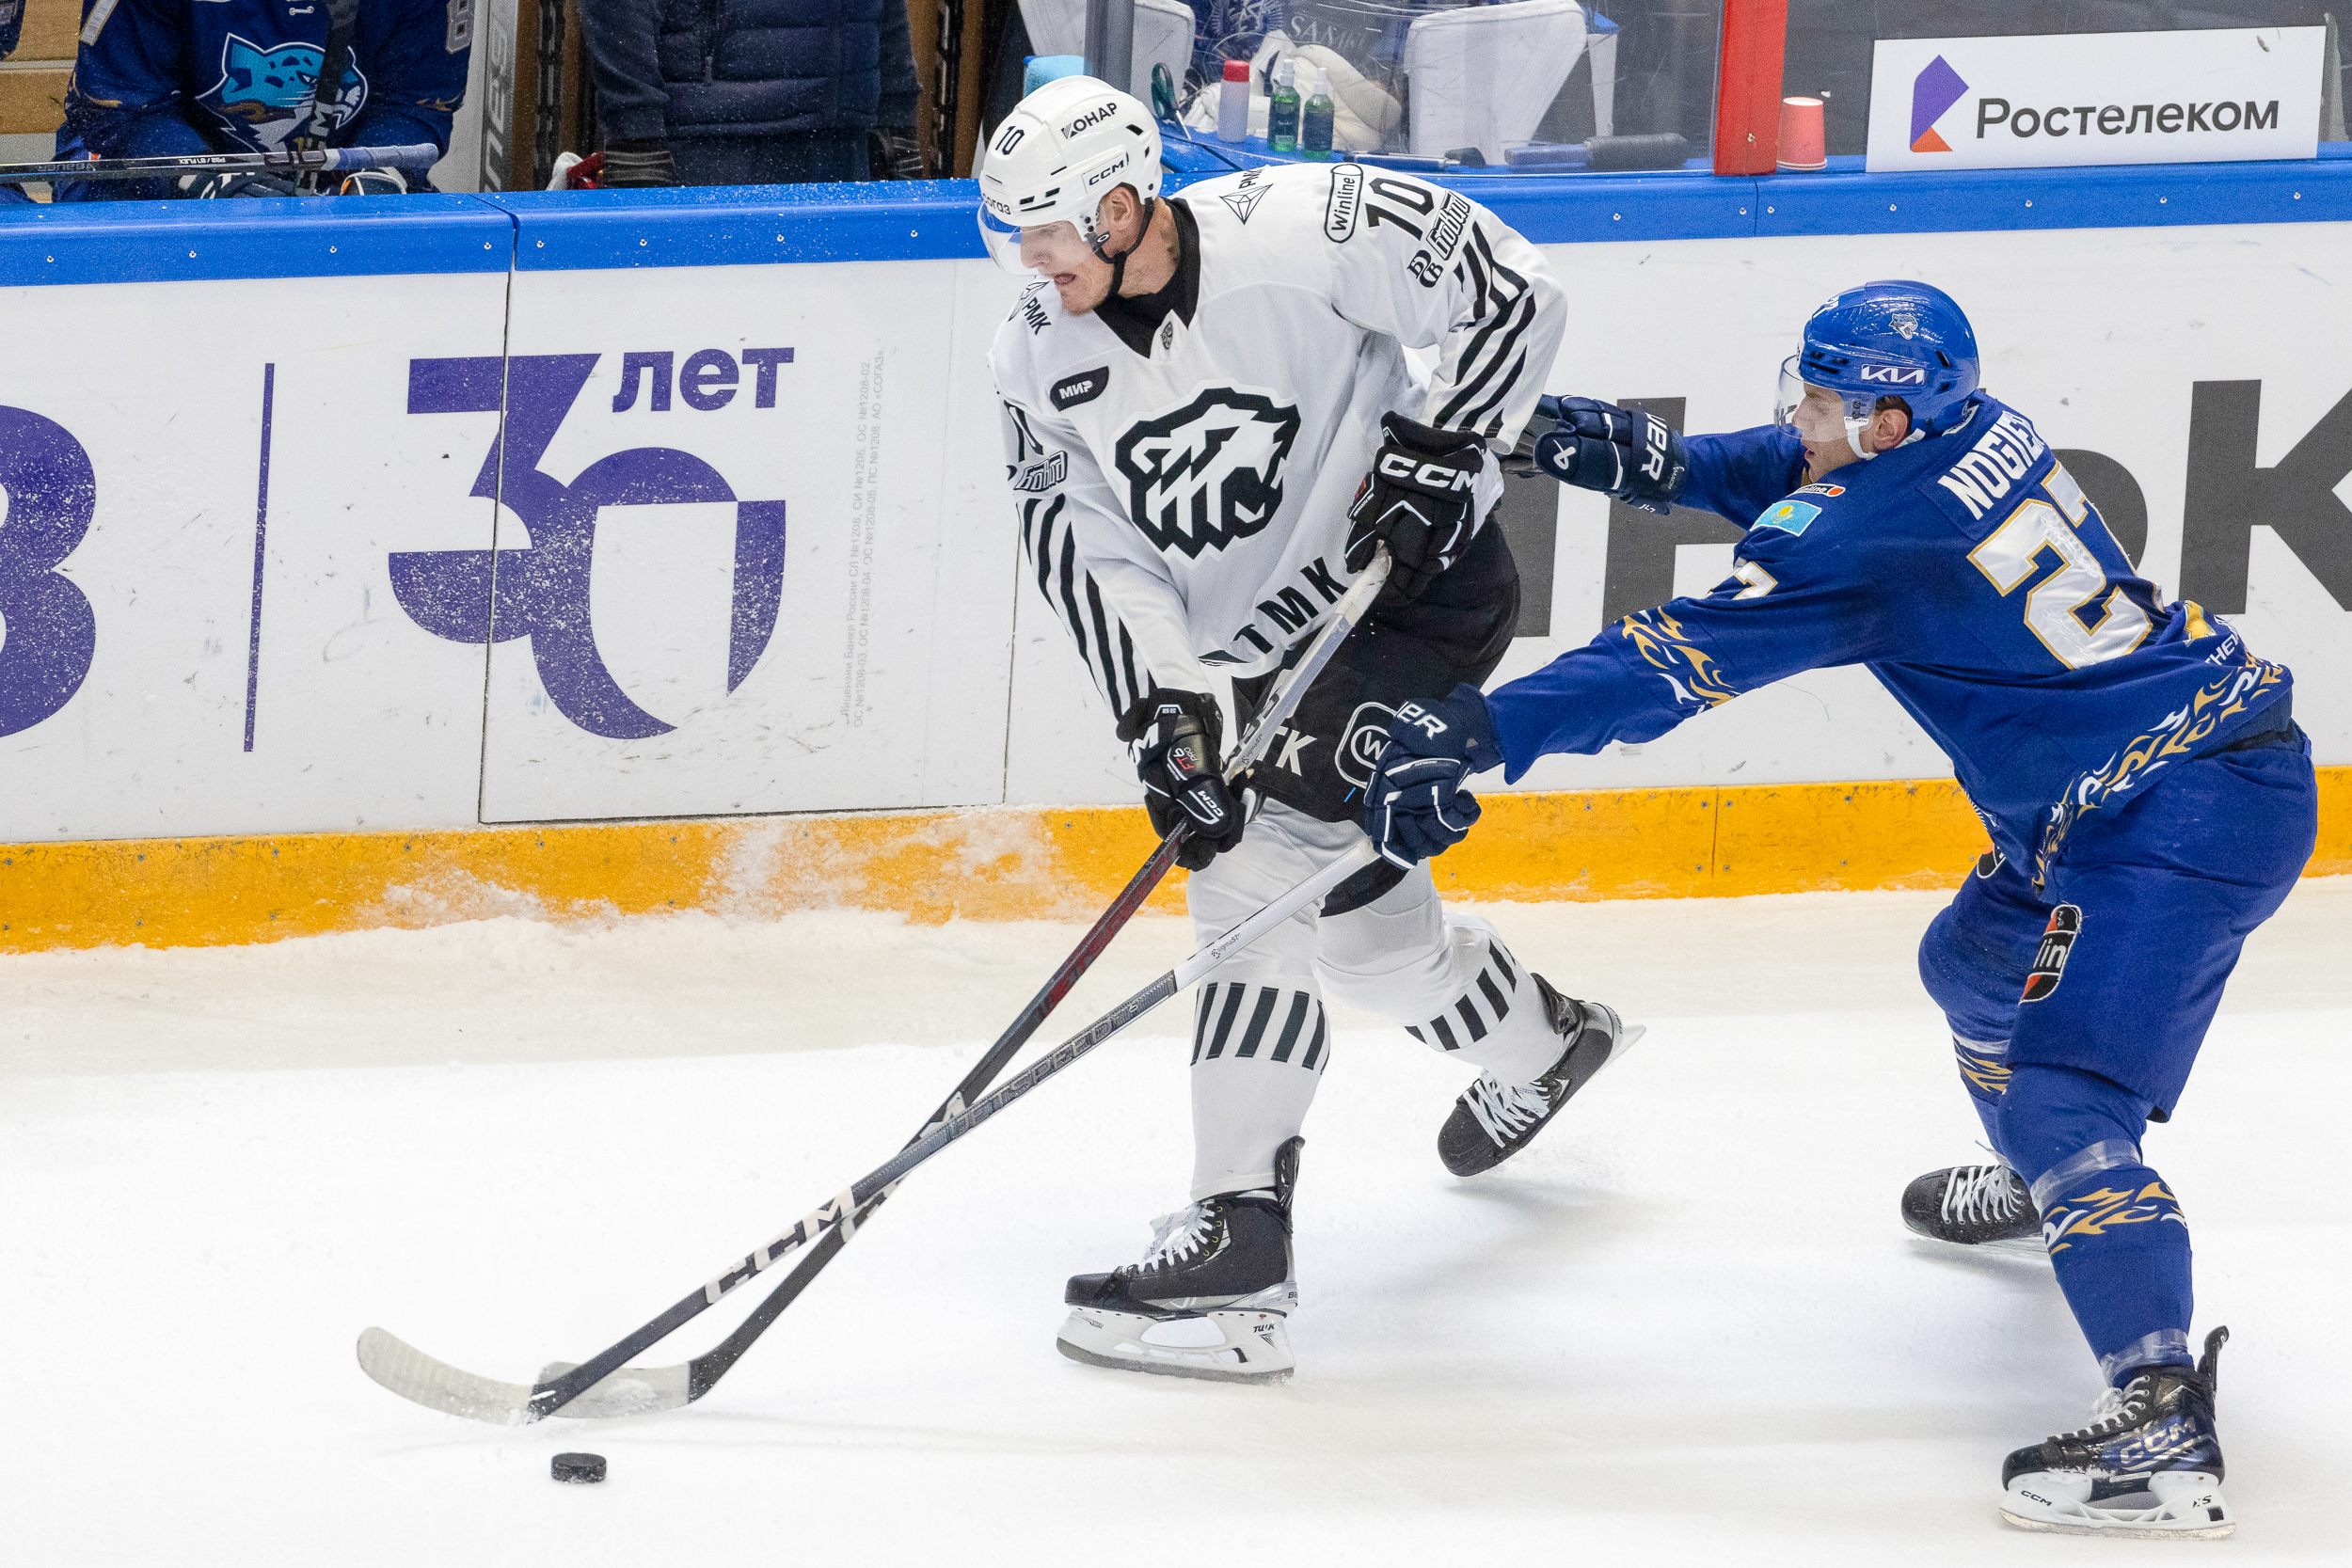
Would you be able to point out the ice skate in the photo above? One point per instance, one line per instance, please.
(1207, 1301)
(2148, 1466)
(1978, 1205)
(1494, 1120)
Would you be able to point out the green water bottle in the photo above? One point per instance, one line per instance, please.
(1282, 117)
(1314, 135)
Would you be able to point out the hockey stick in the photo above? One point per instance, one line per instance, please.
(414, 1375)
(422, 155)
(635, 1390)
(618, 1390)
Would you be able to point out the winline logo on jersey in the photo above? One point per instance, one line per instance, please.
(2193, 96)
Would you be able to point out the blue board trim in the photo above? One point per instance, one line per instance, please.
(744, 225)
(179, 242)
(558, 231)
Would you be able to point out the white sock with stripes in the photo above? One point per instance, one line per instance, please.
(1496, 1019)
(1258, 1053)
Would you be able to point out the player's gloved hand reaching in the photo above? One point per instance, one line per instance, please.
(1416, 806)
(1420, 498)
(1173, 735)
(248, 183)
(1634, 457)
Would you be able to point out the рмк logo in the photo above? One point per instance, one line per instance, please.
(1937, 88)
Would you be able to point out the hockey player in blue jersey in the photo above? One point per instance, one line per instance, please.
(2150, 799)
(168, 78)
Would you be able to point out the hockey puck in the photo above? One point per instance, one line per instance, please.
(584, 1469)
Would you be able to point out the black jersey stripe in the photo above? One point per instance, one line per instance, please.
(1314, 1047)
(1494, 345)
(1300, 1001)
(1259, 1017)
(1202, 1005)
(1495, 999)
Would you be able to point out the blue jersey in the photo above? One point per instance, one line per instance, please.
(162, 78)
(1979, 584)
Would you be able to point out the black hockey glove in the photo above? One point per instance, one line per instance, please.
(1420, 498)
(893, 153)
(1173, 737)
(1636, 457)
(253, 183)
(1416, 806)
(638, 165)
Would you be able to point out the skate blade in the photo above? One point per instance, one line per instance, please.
(1213, 1347)
(2194, 1512)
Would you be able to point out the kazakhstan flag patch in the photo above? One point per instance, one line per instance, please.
(1787, 516)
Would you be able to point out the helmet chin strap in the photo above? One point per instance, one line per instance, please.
(1853, 438)
(1096, 243)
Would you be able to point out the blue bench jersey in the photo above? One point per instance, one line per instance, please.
(168, 78)
(1971, 575)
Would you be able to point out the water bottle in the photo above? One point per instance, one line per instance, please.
(1282, 120)
(1315, 136)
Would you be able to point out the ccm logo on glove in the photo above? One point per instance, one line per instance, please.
(1439, 478)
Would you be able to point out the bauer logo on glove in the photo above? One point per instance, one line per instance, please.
(1418, 806)
(1627, 453)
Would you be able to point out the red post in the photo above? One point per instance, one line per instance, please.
(1747, 86)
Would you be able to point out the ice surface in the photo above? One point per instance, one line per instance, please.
(1686, 1326)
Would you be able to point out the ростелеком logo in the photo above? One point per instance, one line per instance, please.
(1934, 92)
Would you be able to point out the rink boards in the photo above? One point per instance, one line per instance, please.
(386, 524)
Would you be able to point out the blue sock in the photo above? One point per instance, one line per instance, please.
(2117, 1237)
(1984, 1072)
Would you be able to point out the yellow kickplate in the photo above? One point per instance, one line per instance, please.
(990, 864)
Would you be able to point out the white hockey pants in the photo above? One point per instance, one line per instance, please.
(1260, 1040)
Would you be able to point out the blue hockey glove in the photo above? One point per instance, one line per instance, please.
(1417, 807)
(1173, 738)
(1636, 457)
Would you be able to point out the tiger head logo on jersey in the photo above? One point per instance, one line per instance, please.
(1209, 473)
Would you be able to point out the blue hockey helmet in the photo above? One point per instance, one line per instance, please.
(1888, 338)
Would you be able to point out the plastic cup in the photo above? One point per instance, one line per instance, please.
(1801, 144)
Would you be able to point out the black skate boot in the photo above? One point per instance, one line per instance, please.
(2147, 1465)
(1494, 1120)
(1975, 1206)
(1207, 1301)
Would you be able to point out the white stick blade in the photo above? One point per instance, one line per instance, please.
(437, 1386)
(630, 1391)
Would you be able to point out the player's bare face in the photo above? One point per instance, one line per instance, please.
(1057, 253)
(1820, 423)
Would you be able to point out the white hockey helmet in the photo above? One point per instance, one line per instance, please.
(1062, 149)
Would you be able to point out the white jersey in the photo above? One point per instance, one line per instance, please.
(1187, 507)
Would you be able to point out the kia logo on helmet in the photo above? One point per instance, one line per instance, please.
(1900, 375)
(1090, 120)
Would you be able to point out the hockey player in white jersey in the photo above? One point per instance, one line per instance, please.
(1212, 422)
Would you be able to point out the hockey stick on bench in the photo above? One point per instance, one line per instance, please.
(414, 1375)
(323, 159)
(635, 1390)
